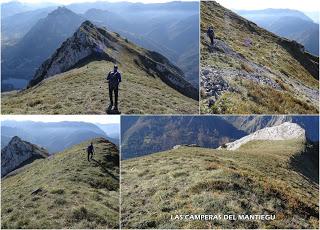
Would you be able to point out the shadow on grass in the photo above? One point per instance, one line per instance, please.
(104, 169)
(307, 162)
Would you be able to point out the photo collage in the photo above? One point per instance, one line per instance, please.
(159, 114)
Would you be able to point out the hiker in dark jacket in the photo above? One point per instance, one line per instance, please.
(114, 79)
(90, 151)
(210, 33)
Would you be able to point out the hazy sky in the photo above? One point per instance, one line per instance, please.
(102, 119)
(66, 2)
(302, 5)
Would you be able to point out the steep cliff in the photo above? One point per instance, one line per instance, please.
(18, 153)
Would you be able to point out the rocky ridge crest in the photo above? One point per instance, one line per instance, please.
(17, 152)
(285, 131)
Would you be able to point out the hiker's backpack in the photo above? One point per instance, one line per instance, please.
(113, 79)
(89, 149)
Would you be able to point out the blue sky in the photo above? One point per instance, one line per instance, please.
(301, 5)
(101, 119)
(66, 2)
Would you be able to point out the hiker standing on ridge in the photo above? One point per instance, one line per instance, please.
(210, 33)
(90, 151)
(114, 79)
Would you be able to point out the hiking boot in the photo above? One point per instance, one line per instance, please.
(115, 108)
(110, 107)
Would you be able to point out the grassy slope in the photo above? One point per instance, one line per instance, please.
(75, 193)
(256, 179)
(264, 51)
(84, 90)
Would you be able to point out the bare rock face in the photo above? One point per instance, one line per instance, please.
(17, 153)
(285, 131)
(86, 42)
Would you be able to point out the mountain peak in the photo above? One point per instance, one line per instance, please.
(61, 10)
(87, 23)
(284, 131)
(15, 139)
(18, 153)
(88, 42)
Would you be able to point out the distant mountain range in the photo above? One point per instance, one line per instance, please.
(44, 34)
(144, 135)
(15, 7)
(287, 23)
(21, 60)
(53, 136)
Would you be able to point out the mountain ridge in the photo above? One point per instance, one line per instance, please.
(284, 131)
(269, 177)
(93, 42)
(144, 135)
(291, 24)
(65, 190)
(19, 153)
(250, 70)
(150, 83)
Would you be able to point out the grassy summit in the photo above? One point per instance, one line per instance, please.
(262, 177)
(258, 71)
(65, 190)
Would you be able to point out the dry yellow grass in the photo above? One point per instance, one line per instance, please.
(85, 91)
(74, 193)
(265, 51)
(259, 178)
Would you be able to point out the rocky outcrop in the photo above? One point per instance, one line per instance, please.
(156, 64)
(87, 42)
(186, 145)
(90, 43)
(285, 131)
(17, 153)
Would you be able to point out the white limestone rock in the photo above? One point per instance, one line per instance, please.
(285, 131)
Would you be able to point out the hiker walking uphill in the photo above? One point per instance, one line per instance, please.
(90, 151)
(210, 33)
(114, 79)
